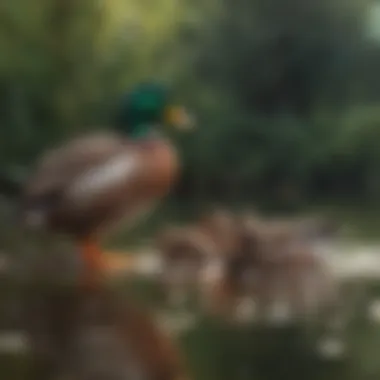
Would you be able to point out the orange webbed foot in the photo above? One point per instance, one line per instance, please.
(93, 262)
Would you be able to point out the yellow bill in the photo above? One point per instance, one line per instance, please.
(178, 117)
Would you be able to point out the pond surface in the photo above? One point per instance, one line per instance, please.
(219, 352)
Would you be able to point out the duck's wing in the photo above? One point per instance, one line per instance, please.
(79, 169)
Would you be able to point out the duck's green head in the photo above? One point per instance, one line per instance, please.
(148, 106)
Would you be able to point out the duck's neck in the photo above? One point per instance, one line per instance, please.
(143, 132)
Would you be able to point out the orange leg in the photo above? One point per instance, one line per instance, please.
(93, 261)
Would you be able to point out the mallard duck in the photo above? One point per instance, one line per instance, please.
(85, 186)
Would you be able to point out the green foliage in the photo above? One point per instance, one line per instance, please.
(64, 62)
(286, 93)
(283, 86)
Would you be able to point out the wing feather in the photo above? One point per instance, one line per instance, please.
(113, 173)
(60, 167)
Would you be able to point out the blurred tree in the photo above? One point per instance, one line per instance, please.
(273, 84)
(276, 78)
(63, 63)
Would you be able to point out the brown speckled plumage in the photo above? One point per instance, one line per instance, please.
(48, 189)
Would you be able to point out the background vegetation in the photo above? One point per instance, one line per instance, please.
(286, 92)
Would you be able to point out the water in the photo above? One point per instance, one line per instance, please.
(216, 351)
